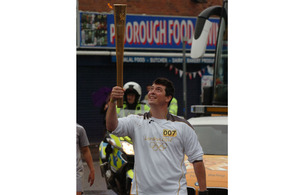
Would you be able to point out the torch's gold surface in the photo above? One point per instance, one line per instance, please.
(120, 23)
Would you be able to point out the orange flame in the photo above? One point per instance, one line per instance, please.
(109, 6)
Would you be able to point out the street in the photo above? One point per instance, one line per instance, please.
(99, 186)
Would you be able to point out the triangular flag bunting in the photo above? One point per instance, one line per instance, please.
(194, 74)
(176, 71)
(199, 73)
(180, 73)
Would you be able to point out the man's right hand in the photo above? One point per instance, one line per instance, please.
(116, 93)
(111, 114)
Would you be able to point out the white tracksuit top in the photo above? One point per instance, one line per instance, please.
(160, 146)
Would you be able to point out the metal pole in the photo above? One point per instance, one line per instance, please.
(184, 79)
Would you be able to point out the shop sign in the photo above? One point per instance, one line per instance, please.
(148, 32)
(172, 60)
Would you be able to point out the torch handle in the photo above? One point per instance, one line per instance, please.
(120, 22)
(120, 82)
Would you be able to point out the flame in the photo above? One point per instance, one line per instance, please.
(109, 6)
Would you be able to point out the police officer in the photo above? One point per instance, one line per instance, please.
(131, 105)
(132, 97)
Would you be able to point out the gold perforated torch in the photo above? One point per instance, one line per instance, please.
(120, 22)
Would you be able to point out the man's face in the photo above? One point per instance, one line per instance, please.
(130, 98)
(157, 95)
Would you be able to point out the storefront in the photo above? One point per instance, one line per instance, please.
(153, 48)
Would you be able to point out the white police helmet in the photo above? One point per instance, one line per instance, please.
(133, 87)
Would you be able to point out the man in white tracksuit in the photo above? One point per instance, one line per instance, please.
(160, 142)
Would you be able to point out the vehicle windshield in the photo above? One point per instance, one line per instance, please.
(220, 95)
(213, 138)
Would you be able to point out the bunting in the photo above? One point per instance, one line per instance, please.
(199, 73)
(176, 71)
(192, 75)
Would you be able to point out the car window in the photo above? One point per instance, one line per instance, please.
(213, 138)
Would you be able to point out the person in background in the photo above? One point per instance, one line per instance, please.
(173, 107)
(82, 146)
(145, 100)
(103, 111)
(161, 141)
(132, 104)
(100, 99)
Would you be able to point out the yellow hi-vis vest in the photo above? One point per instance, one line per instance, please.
(173, 108)
(139, 109)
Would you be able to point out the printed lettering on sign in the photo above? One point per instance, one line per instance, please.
(156, 32)
(142, 31)
(169, 133)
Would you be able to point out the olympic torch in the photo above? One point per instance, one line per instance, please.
(120, 22)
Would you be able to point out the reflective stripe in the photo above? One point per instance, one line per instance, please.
(139, 109)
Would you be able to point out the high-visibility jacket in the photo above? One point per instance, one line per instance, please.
(173, 108)
(139, 109)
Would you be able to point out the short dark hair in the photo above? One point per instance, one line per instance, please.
(170, 90)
